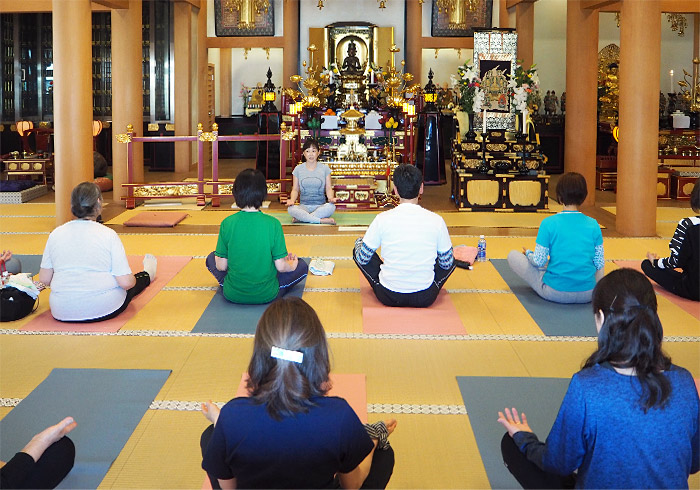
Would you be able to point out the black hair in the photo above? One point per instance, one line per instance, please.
(571, 189)
(308, 143)
(85, 200)
(631, 334)
(250, 188)
(695, 196)
(285, 386)
(407, 179)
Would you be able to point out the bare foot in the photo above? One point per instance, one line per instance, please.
(294, 220)
(327, 221)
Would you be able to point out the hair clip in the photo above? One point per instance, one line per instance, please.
(287, 355)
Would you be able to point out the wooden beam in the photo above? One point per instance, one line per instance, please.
(597, 4)
(667, 6)
(246, 42)
(512, 3)
(112, 4)
(194, 3)
(447, 42)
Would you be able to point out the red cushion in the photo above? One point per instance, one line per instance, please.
(104, 183)
(159, 219)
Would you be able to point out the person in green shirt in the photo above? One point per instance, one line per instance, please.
(251, 262)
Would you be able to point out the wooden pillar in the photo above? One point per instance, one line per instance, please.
(525, 26)
(581, 93)
(503, 21)
(72, 96)
(414, 34)
(225, 84)
(182, 74)
(637, 156)
(203, 108)
(127, 91)
(290, 55)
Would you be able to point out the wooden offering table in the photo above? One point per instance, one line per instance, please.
(42, 167)
(499, 192)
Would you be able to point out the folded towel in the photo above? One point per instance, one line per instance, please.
(320, 267)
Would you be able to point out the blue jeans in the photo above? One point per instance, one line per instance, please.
(286, 280)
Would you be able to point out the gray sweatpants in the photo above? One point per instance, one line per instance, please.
(520, 264)
(311, 214)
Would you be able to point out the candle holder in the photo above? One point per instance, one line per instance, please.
(483, 166)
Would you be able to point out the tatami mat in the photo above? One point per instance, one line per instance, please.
(404, 373)
(663, 213)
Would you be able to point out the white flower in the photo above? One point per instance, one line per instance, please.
(536, 79)
(454, 82)
(478, 100)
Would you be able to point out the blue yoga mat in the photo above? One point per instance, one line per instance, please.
(484, 397)
(30, 263)
(554, 319)
(108, 404)
(222, 316)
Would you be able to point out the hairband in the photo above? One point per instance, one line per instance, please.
(287, 355)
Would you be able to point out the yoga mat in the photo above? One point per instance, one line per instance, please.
(692, 307)
(168, 267)
(484, 397)
(30, 263)
(222, 316)
(554, 319)
(342, 218)
(108, 404)
(441, 318)
(351, 387)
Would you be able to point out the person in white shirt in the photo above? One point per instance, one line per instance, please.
(85, 264)
(415, 245)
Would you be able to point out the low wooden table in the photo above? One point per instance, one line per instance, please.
(30, 166)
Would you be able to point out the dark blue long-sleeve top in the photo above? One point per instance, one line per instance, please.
(603, 431)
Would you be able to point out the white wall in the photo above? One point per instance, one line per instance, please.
(549, 46)
(444, 65)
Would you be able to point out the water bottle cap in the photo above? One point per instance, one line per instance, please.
(481, 236)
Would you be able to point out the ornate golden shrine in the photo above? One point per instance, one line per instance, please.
(608, 72)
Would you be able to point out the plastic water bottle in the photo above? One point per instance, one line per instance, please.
(481, 247)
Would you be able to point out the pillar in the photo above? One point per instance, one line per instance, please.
(503, 21)
(72, 96)
(203, 109)
(127, 92)
(413, 37)
(696, 36)
(525, 26)
(290, 55)
(637, 156)
(182, 74)
(580, 135)
(225, 84)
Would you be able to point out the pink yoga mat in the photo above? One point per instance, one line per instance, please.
(439, 319)
(350, 387)
(168, 267)
(692, 307)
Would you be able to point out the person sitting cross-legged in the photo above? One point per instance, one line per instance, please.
(415, 245)
(251, 262)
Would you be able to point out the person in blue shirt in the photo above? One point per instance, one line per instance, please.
(568, 258)
(629, 418)
(288, 433)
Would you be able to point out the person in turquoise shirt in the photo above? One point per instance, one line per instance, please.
(251, 262)
(568, 258)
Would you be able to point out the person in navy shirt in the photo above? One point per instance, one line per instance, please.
(629, 418)
(288, 433)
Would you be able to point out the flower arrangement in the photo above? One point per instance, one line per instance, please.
(245, 94)
(524, 88)
(471, 98)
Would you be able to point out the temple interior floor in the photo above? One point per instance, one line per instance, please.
(404, 375)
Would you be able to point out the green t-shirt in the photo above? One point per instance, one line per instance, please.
(251, 242)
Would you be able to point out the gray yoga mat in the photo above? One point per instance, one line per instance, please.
(30, 263)
(484, 397)
(222, 316)
(107, 404)
(554, 319)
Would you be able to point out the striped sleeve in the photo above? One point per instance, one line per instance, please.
(363, 253)
(671, 262)
(445, 259)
